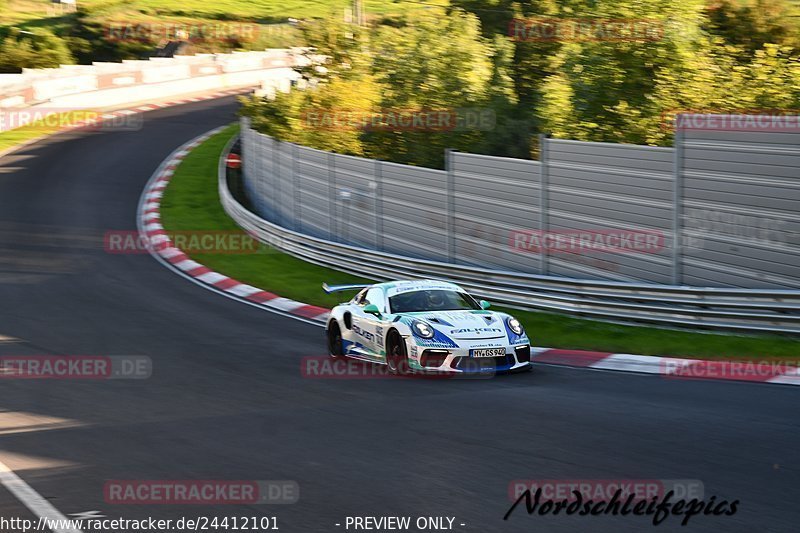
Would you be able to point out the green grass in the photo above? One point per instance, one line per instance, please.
(40, 13)
(11, 138)
(191, 202)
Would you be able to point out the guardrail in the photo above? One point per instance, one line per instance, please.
(704, 307)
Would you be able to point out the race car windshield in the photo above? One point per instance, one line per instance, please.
(432, 300)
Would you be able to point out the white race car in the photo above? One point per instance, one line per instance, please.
(425, 326)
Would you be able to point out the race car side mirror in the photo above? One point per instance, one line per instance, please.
(485, 304)
(372, 309)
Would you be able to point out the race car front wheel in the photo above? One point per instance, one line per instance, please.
(396, 356)
(335, 341)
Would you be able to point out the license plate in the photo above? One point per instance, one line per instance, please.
(488, 352)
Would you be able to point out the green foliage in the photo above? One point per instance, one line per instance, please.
(425, 64)
(719, 83)
(88, 39)
(725, 57)
(344, 83)
(432, 64)
(750, 24)
(729, 56)
(40, 49)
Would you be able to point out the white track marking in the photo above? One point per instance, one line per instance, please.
(284, 304)
(244, 290)
(187, 264)
(630, 363)
(790, 377)
(32, 499)
(212, 277)
(169, 253)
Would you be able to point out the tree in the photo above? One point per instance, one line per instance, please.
(432, 64)
(719, 83)
(750, 24)
(23, 49)
(602, 89)
(418, 66)
(343, 85)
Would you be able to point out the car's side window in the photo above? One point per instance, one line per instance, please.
(375, 297)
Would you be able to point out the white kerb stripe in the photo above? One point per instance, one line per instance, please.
(153, 226)
(284, 304)
(243, 290)
(158, 239)
(32, 499)
(790, 377)
(187, 265)
(169, 252)
(630, 363)
(211, 277)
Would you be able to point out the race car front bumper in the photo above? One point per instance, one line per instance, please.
(460, 360)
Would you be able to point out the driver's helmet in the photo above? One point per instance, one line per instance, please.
(435, 299)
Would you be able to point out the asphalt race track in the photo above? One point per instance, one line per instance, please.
(227, 399)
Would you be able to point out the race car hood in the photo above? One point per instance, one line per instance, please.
(466, 325)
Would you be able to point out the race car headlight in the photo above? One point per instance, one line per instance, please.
(515, 326)
(421, 329)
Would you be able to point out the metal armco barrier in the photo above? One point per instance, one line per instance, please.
(775, 310)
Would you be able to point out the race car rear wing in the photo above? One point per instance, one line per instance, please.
(339, 288)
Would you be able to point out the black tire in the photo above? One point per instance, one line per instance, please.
(396, 356)
(335, 349)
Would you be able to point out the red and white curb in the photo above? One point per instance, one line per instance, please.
(153, 232)
(149, 222)
(160, 105)
(783, 373)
